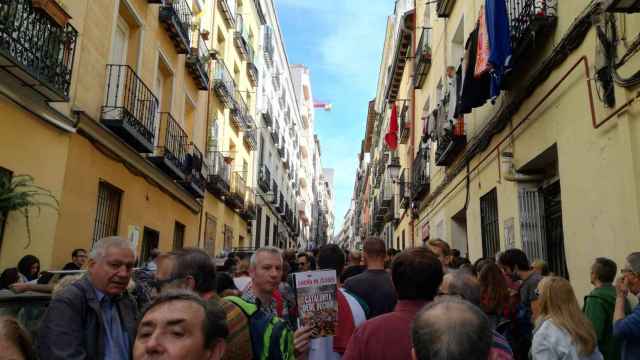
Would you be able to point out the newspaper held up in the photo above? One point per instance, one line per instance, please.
(317, 305)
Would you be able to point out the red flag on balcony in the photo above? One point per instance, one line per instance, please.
(391, 138)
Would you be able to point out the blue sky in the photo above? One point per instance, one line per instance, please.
(341, 43)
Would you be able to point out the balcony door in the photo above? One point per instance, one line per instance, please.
(118, 78)
(159, 90)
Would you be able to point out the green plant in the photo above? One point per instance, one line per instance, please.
(19, 193)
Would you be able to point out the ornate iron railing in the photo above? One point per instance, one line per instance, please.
(174, 144)
(420, 176)
(176, 16)
(224, 85)
(423, 58)
(525, 18)
(37, 47)
(198, 61)
(129, 100)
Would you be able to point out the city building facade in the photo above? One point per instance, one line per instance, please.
(537, 157)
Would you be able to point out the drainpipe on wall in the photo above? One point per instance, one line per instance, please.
(510, 174)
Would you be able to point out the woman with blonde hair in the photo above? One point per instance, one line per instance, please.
(562, 331)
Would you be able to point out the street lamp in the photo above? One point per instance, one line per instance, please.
(394, 169)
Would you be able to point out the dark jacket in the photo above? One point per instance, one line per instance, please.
(73, 328)
(628, 330)
(598, 307)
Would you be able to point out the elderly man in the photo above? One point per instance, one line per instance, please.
(194, 270)
(93, 317)
(416, 275)
(451, 329)
(627, 328)
(181, 325)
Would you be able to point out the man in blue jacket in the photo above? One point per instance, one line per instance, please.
(628, 328)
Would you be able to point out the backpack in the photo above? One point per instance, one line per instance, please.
(271, 338)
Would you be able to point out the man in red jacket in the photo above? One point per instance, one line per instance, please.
(416, 274)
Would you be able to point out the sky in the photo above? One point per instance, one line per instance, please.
(341, 42)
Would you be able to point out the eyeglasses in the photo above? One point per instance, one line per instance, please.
(159, 284)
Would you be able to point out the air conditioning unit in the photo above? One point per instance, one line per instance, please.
(622, 6)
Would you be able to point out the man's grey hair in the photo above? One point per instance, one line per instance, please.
(451, 329)
(267, 249)
(634, 261)
(101, 246)
(462, 283)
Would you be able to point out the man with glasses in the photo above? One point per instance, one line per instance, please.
(78, 258)
(627, 328)
(93, 317)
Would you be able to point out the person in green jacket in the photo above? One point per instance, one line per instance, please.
(599, 306)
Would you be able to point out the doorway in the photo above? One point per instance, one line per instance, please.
(459, 238)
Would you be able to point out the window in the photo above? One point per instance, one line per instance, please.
(107, 212)
(267, 229)
(404, 244)
(275, 234)
(178, 235)
(228, 237)
(258, 226)
(210, 235)
(490, 225)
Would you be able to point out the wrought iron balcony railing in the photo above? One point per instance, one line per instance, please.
(252, 68)
(248, 213)
(275, 136)
(240, 39)
(228, 8)
(130, 108)
(267, 45)
(250, 139)
(37, 50)
(423, 58)
(171, 152)
(403, 194)
(239, 113)
(444, 7)
(267, 115)
(527, 18)
(420, 176)
(238, 191)
(176, 17)
(274, 187)
(450, 143)
(224, 85)
(196, 171)
(405, 124)
(264, 178)
(198, 61)
(219, 182)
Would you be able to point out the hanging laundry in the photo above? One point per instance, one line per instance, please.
(497, 20)
(391, 138)
(483, 49)
(474, 92)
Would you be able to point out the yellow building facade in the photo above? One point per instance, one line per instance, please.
(550, 166)
(117, 125)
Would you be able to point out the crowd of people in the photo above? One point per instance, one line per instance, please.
(421, 303)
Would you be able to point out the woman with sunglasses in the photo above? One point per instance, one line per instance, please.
(562, 331)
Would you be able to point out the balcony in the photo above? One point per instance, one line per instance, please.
(405, 125)
(196, 171)
(219, 180)
(176, 18)
(238, 192)
(250, 139)
(37, 50)
(130, 108)
(264, 179)
(171, 152)
(423, 59)
(252, 69)
(274, 135)
(198, 61)
(228, 11)
(420, 176)
(267, 45)
(223, 85)
(280, 204)
(248, 213)
(402, 49)
(403, 194)
(444, 7)
(527, 20)
(240, 40)
(267, 115)
(240, 113)
(282, 150)
(450, 143)
(275, 80)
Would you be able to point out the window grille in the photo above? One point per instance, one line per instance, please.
(178, 236)
(107, 212)
(490, 225)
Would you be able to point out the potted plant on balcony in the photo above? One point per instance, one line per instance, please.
(20, 194)
(55, 9)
